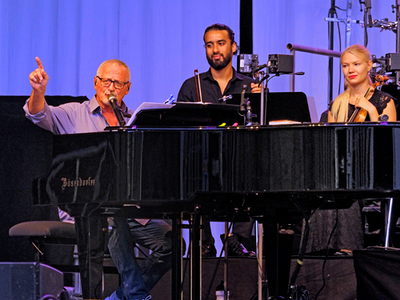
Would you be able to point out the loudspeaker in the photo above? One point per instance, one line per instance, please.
(280, 63)
(378, 273)
(392, 62)
(29, 281)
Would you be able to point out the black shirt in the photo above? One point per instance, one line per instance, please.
(210, 88)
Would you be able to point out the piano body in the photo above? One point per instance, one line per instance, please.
(261, 170)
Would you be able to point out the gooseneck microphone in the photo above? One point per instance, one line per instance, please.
(117, 109)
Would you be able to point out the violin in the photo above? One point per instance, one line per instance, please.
(360, 114)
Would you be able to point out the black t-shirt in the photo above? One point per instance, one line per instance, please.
(210, 88)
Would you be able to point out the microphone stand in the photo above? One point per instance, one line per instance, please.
(245, 107)
(243, 99)
(263, 98)
(260, 228)
(117, 111)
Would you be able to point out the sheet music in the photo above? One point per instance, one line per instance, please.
(147, 106)
(283, 122)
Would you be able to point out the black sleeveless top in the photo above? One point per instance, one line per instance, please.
(379, 99)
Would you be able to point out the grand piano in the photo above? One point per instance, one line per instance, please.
(272, 171)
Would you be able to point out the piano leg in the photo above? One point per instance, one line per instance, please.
(176, 257)
(278, 251)
(196, 259)
(195, 256)
(91, 234)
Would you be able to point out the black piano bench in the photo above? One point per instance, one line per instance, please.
(45, 232)
(46, 229)
(42, 233)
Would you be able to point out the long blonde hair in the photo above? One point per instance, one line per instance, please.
(340, 105)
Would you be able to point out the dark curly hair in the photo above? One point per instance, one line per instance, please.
(218, 26)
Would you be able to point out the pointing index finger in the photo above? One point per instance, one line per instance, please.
(39, 63)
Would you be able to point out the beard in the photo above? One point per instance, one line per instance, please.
(219, 65)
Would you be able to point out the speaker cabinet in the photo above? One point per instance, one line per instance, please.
(29, 281)
(378, 273)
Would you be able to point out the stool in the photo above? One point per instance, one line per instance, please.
(57, 232)
(50, 232)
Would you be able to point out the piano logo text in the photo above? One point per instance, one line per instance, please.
(68, 183)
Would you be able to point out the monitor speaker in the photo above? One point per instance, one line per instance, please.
(29, 281)
(280, 63)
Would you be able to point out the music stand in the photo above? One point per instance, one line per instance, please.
(189, 114)
(291, 106)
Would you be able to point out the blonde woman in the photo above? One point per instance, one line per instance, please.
(356, 64)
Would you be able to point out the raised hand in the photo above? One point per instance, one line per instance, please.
(39, 78)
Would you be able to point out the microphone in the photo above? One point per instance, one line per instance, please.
(117, 110)
(112, 98)
(259, 68)
(224, 98)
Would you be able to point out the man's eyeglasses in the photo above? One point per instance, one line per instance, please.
(107, 82)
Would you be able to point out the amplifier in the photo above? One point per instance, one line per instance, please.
(29, 281)
(280, 63)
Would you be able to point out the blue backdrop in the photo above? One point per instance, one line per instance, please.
(162, 43)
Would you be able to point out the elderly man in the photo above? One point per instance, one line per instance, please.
(112, 79)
